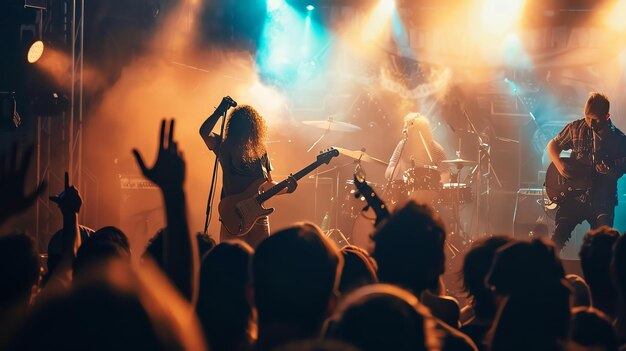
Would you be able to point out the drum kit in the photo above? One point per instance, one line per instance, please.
(421, 183)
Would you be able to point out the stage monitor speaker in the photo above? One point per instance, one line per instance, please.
(531, 219)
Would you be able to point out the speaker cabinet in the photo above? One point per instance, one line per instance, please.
(530, 218)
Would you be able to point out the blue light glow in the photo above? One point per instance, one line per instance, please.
(289, 45)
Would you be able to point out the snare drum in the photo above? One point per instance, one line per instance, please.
(458, 193)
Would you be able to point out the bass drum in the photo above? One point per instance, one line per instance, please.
(423, 184)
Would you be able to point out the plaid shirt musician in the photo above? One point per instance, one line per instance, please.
(595, 143)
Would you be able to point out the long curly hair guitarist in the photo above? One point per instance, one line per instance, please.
(597, 148)
(242, 156)
(246, 131)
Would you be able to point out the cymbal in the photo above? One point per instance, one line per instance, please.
(332, 125)
(459, 162)
(360, 155)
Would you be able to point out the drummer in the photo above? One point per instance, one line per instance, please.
(416, 149)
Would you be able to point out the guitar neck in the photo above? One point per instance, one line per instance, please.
(282, 185)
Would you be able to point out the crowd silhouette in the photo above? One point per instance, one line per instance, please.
(296, 290)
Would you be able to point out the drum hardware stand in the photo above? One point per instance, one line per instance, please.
(457, 227)
(335, 229)
(484, 155)
(321, 137)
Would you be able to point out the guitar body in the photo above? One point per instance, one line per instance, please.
(559, 188)
(238, 213)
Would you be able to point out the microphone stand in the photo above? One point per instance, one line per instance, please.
(484, 152)
(209, 207)
(330, 122)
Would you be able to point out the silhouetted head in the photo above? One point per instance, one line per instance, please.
(595, 254)
(408, 248)
(94, 256)
(155, 246)
(535, 311)
(358, 269)
(618, 266)
(55, 249)
(295, 274)
(19, 268)
(476, 265)
(96, 317)
(526, 268)
(113, 235)
(223, 307)
(591, 329)
(247, 130)
(383, 317)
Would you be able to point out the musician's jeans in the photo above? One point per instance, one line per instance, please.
(569, 215)
(260, 231)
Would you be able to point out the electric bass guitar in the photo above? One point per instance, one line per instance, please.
(559, 188)
(238, 213)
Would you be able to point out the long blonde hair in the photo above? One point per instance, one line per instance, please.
(416, 122)
(246, 131)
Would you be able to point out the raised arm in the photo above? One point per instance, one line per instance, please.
(180, 251)
(69, 202)
(206, 129)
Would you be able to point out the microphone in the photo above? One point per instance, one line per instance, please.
(230, 101)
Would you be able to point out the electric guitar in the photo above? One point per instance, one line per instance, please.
(559, 188)
(238, 213)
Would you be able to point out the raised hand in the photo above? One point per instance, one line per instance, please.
(69, 199)
(168, 172)
(13, 198)
(180, 257)
(226, 103)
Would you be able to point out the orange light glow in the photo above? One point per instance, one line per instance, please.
(378, 21)
(616, 16)
(498, 16)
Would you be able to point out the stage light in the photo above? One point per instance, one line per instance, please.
(498, 16)
(35, 51)
(273, 5)
(310, 7)
(514, 53)
(378, 21)
(290, 37)
(616, 16)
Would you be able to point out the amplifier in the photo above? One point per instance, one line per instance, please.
(531, 217)
(133, 181)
